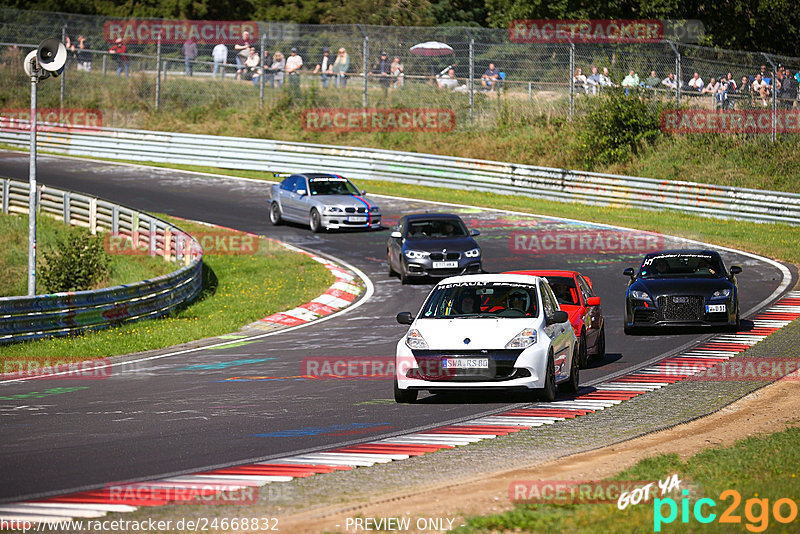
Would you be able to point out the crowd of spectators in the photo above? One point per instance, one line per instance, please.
(725, 90)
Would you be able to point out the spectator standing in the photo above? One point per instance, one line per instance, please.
(340, 67)
(789, 91)
(278, 68)
(631, 81)
(696, 83)
(266, 64)
(579, 80)
(242, 51)
(383, 69)
(293, 65)
(594, 81)
(220, 56)
(325, 67)
(670, 82)
(119, 53)
(189, 55)
(397, 70)
(490, 77)
(653, 81)
(83, 57)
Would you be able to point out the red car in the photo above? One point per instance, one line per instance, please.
(576, 297)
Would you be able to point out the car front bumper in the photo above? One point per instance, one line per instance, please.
(335, 221)
(424, 268)
(639, 315)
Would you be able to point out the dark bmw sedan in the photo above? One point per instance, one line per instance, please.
(682, 288)
(432, 245)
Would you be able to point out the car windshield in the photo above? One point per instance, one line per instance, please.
(481, 300)
(565, 289)
(436, 228)
(332, 186)
(682, 266)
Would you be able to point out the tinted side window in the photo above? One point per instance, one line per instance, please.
(300, 184)
(287, 183)
(585, 289)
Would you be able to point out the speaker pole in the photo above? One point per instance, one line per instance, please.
(63, 74)
(32, 196)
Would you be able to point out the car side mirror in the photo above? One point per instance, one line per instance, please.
(474, 233)
(363, 192)
(630, 272)
(396, 235)
(593, 301)
(301, 192)
(405, 318)
(558, 317)
(735, 269)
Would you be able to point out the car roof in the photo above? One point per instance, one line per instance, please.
(544, 272)
(320, 175)
(683, 252)
(418, 216)
(502, 277)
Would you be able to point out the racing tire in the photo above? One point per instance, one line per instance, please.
(404, 279)
(315, 221)
(738, 326)
(583, 351)
(601, 344)
(274, 214)
(572, 385)
(629, 330)
(391, 270)
(548, 392)
(404, 396)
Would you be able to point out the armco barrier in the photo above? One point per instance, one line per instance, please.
(424, 169)
(23, 318)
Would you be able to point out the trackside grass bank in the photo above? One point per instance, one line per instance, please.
(237, 290)
(14, 256)
(744, 482)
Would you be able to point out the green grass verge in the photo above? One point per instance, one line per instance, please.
(14, 256)
(761, 467)
(237, 290)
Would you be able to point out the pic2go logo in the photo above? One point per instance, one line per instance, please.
(756, 511)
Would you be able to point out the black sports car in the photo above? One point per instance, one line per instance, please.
(432, 244)
(682, 288)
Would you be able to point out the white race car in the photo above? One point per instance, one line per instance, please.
(487, 331)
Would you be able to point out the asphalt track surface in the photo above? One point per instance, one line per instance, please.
(185, 413)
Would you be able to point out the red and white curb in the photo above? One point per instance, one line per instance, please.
(345, 289)
(97, 503)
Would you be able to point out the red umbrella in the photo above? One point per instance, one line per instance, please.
(431, 48)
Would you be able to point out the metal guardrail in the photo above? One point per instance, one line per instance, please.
(24, 318)
(424, 169)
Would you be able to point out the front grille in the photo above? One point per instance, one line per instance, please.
(355, 210)
(681, 308)
(501, 366)
(438, 256)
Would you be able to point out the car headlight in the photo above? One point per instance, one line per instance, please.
(416, 254)
(523, 340)
(334, 209)
(474, 253)
(374, 209)
(640, 295)
(414, 340)
(721, 293)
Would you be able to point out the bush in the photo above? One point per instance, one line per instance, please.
(617, 127)
(77, 263)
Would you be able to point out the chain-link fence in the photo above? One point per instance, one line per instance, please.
(556, 79)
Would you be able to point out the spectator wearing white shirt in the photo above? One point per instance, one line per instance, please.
(593, 81)
(696, 83)
(293, 64)
(760, 88)
(670, 81)
(220, 55)
(605, 79)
